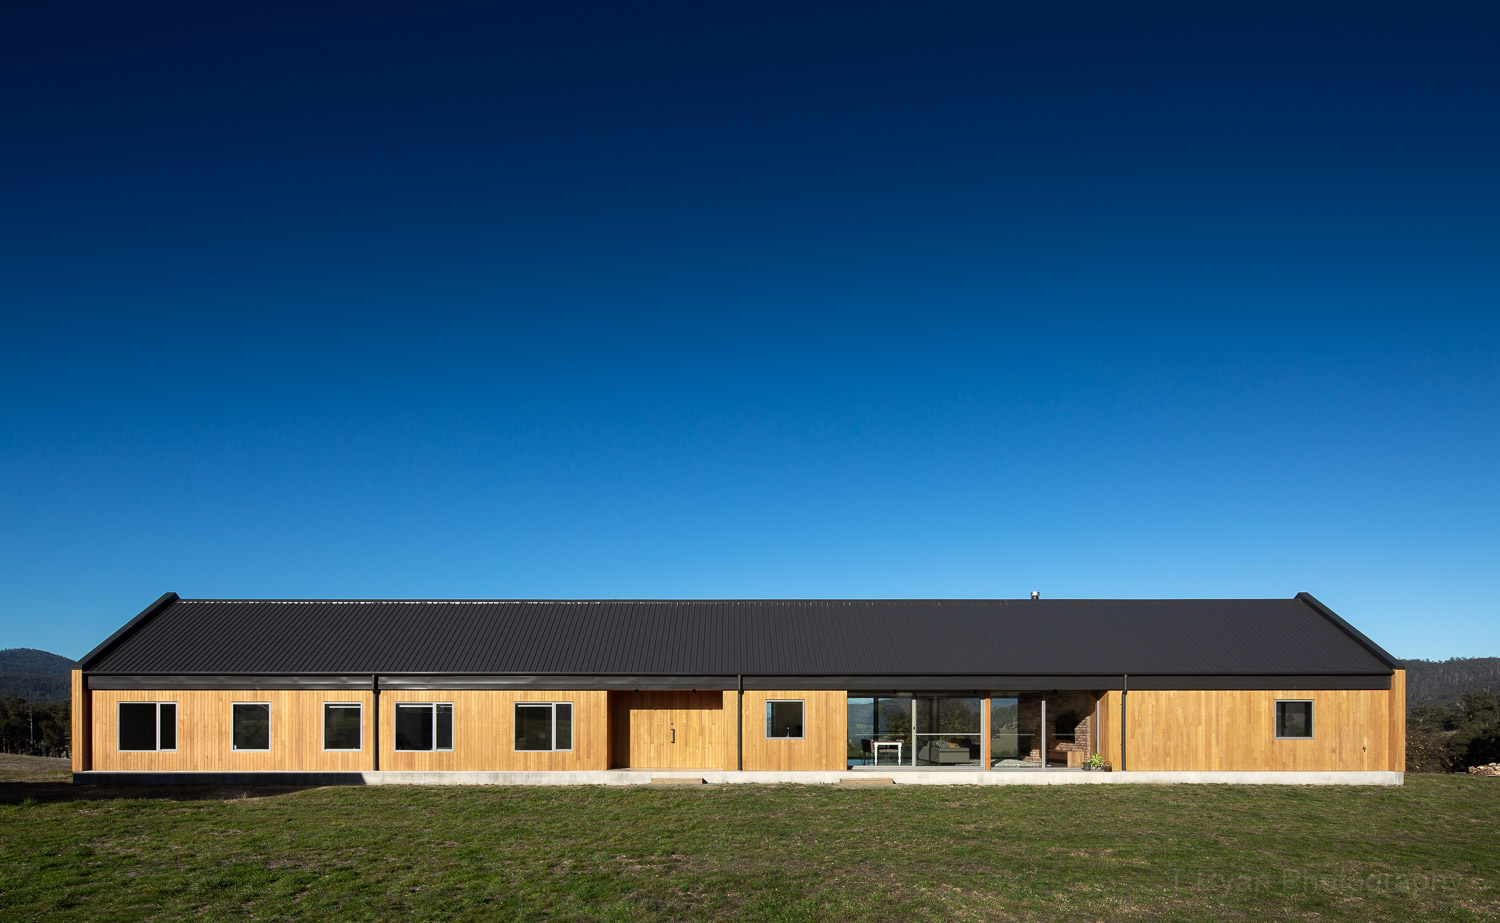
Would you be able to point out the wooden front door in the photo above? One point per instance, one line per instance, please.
(667, 730)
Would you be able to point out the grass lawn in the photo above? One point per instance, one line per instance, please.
(1427, 851)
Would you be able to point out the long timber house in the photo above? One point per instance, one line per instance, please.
(556, 691)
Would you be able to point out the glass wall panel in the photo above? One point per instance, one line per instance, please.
(879, 719)
(893, 717)
(950, 750)
(893, 724)
(1065, 724)
(1065, 716)
(1029, 727)
(1007, 744)
(861, 730)
(949, 714)
(930, 729)
(564, 739)
(1016, 738)
(948, 730)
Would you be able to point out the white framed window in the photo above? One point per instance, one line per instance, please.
(784, 719)
(343, 726)
(424, 725)
(147, 725)
(250, 726)
(544, 725)
(1294, 719)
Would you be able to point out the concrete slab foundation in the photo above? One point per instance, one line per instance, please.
(629, 777)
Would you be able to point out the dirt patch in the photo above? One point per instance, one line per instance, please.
(43, 779)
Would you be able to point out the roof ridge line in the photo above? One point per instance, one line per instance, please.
(699, 601)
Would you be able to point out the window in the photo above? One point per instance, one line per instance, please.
(424, 726)
(342, 727)
(544, 725)
(784, 720)
(251, 725)
(1294, 719)
(148, 725)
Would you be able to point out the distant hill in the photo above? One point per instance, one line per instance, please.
(1439, 682)
(35, 675)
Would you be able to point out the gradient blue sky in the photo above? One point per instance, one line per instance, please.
(659, 300)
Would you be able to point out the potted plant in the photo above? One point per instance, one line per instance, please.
(1094, 762)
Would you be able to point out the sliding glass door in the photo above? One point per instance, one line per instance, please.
(1025, 730)
(1010, 746)
(915, 730)
(949, 731)
(880, 730)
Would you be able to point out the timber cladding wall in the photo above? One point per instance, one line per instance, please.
(1167, 730)
(825, 729)
(484, 732)
(1220, 729)
(667, 729)
(1398, 722)
(83, 720)
(204, 741)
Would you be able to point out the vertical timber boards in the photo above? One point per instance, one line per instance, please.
(81, 740)
(1109, 727)
(642, 726)
(204, 742)
(732, 729)
(1218, 729)
(484, 732)
(825, 728)
(1397, 735)
(988, 732)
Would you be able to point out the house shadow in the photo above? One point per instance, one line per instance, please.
(52, 791)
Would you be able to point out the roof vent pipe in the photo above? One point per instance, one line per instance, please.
(1036, 594)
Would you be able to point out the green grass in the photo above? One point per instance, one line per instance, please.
(766, 853)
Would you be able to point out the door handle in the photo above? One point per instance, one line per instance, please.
(674, 735)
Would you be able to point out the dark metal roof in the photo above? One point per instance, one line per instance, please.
(857, 637)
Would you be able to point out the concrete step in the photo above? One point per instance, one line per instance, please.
(676, 780)
(861, 782)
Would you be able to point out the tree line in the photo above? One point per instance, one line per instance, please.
(34, 728)
(1440, 682)
(1450, 738)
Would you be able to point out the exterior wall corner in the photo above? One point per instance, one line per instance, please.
(82, 724)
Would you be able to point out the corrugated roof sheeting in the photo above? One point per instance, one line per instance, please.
(725, 637)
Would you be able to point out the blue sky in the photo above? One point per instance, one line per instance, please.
(659, 301)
